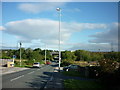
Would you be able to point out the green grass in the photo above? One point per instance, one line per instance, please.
(72, 73)
(23, 66)
(26, 63)
(82, 85)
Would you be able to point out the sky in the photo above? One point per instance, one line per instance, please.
(84, 25)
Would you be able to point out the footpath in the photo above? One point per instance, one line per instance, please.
(56, 81)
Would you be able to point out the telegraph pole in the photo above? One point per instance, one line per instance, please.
(45, 54)
(112, 47)
(20, 53)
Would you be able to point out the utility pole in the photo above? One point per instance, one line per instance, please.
(112, 47)
(45, 54)
(20, 53)
(99, 50)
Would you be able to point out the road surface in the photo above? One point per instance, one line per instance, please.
(35, 78)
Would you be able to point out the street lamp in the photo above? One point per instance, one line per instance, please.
(59, 10)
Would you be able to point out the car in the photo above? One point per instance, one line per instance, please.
(66, 68)
(71, 67)
(48, 62)
(37, 64)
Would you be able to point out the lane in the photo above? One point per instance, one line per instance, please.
(7, 77)
(32, 78)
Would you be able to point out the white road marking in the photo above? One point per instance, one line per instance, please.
(16, 78)
(51, 78)
(31, 72)
(46, 86)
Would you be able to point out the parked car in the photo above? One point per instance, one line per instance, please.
(48, 62)
(71, 67)
(37, 64)
(66, 68)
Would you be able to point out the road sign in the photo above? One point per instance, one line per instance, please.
(14, 56)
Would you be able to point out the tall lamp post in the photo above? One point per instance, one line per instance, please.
(59, 10)
(20, 53)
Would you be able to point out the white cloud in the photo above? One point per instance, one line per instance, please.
(39, 7)
(102, 40)
(74, 26)
(72, 10)
(60, 1)
(77, 9)
(2, 28)
(109, 36)
(31, 29)
(93, 47)
(46, 30)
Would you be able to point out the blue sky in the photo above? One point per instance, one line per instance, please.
(84, 25)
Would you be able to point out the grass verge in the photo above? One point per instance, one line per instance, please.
(72, 73)
(82, 85)
(28, 66)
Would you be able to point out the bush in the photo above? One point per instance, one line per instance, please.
(5, 57)
(94, 71)
(110, 73)
(108, 66)
(29, 62)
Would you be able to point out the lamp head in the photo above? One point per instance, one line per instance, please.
(58, 9)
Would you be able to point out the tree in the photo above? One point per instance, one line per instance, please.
(68, 55)
(96, 56)
(37, 49)
(82, 55)
(36, 55)
(113, 56)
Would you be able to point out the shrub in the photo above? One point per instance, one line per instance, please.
(110, 72)
(108, 66)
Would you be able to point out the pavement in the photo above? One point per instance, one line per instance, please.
(55, 82)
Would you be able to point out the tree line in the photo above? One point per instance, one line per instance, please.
(28, 54)
(69, 56)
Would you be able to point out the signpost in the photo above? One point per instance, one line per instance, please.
(14, 56)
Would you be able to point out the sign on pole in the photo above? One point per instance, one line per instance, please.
(14, 56)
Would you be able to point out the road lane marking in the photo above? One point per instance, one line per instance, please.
(31, 72)
(51, 78)
(16, 78)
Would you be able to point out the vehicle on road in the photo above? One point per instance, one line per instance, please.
(37, 65)
(71, 67)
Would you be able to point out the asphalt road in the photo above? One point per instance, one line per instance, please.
(34, 78)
